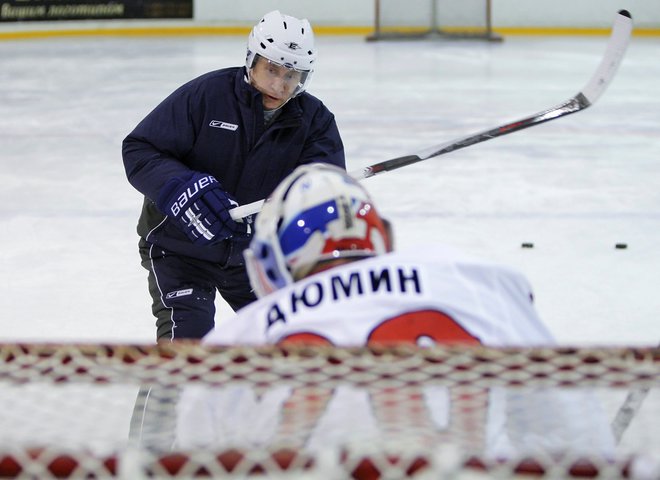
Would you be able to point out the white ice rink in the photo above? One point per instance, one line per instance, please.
(575, 187)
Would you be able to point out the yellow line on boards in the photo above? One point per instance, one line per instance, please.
(570, 31)
(200, 30)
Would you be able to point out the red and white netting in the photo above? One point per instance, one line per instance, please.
(185, 410)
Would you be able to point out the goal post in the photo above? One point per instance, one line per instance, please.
(443, 19)
(325, 412)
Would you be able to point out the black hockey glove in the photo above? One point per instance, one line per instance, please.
(201, 208)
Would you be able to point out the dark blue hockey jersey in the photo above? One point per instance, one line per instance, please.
(215, 124)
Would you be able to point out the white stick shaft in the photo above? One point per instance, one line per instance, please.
(246, 210)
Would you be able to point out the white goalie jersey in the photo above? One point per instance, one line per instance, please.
(426, 296)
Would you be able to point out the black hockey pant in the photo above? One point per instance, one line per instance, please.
(183, 291)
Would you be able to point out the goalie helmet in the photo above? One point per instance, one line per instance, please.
(317, 213)
(286, 41)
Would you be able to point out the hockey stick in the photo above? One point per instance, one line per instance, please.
(628, 409)
(599, 82)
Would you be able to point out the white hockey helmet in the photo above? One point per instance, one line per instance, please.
(317, 213)
(286, 41)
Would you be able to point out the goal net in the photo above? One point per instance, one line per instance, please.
(186, 410)
(448, 19)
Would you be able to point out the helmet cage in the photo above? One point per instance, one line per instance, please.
(304, 76)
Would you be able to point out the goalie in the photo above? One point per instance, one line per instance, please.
(322, 265)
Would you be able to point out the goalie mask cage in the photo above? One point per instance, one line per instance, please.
(443, 19)
(186, 410)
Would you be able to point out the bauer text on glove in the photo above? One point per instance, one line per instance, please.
(201, 208)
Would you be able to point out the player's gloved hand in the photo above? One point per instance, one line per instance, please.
(201, 208)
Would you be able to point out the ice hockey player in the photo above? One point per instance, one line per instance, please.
(225, 138)
(322, 265)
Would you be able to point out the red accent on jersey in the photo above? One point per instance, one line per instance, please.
(411, 327)
(305, 337)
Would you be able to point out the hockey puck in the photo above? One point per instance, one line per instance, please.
(621, 246)
(527, 245)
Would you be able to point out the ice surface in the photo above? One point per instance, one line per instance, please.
(69, 267)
